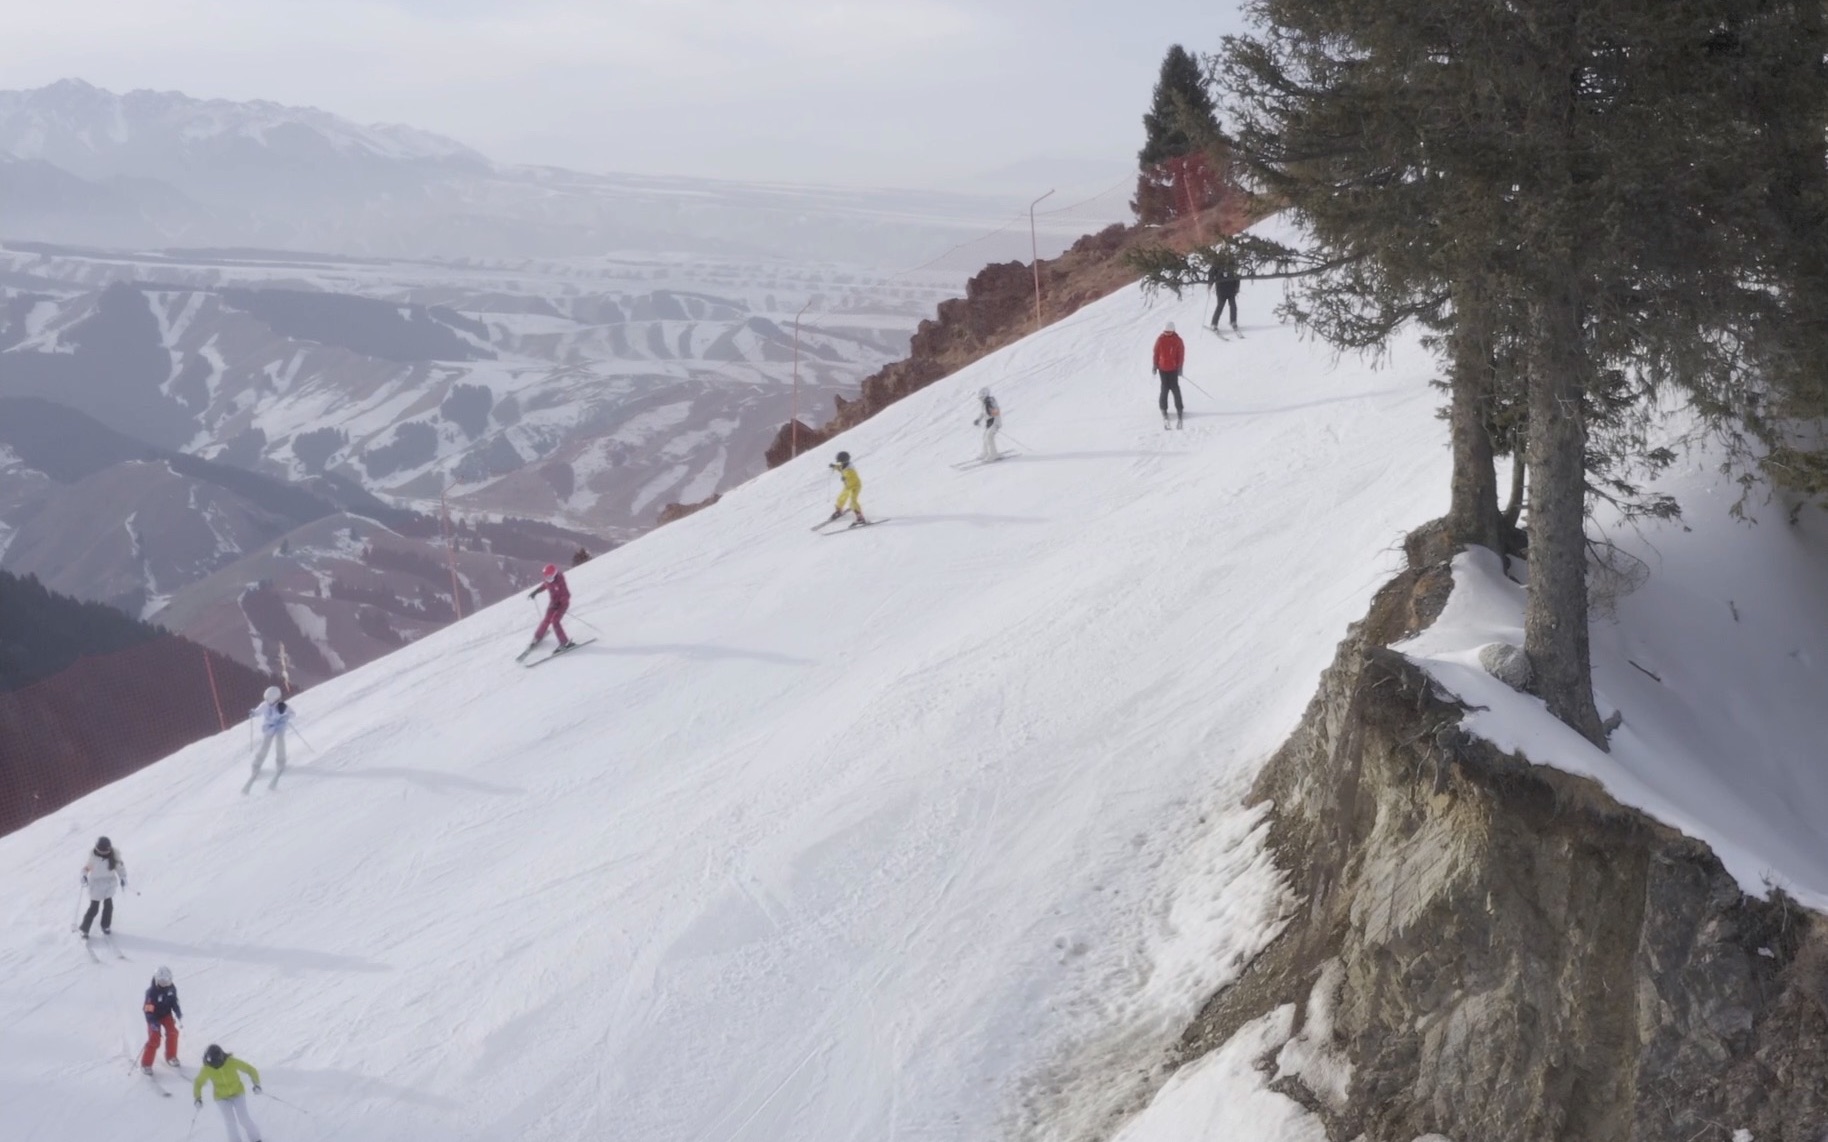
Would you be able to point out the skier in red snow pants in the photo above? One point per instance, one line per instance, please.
(559, 601)
(162, 1011)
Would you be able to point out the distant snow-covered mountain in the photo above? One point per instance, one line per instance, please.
(166, 134)
(164, 169)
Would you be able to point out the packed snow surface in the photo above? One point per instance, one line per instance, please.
(931, 829)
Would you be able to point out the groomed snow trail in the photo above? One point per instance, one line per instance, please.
(922, 831)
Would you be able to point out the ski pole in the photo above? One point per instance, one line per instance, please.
(585, 621)
(1014, 441)
(76, 920)
(302, 738)
(195, 1110)
(1196, 385)
(283, 1102)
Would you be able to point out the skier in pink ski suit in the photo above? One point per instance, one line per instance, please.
(559, 596)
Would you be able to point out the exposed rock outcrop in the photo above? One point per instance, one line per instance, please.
(676, 510)
(1503, 952)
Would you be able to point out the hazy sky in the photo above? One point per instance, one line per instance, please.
(868, 92)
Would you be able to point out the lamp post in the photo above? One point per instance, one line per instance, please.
(1034, 253)
(793, 423)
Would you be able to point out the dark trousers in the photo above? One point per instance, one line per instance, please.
(1224, 300)
(1171, 383)
(107, 910)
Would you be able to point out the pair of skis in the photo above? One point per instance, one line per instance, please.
(106, 938)
(981, 461)
(853, 526)
(554, 653)
(153, 1076)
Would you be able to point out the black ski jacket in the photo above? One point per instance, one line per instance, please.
(162, 1001)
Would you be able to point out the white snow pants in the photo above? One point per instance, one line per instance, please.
(235, 1117)
(990, 440)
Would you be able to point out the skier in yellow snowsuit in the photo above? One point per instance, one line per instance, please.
(223, 1071)
(851, 497)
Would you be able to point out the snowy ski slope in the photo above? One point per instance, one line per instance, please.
(923, 831)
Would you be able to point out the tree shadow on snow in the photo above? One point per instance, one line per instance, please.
(427, 778)
(299, 959)
(703, 651)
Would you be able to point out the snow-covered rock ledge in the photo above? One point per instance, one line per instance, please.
(1492, 949)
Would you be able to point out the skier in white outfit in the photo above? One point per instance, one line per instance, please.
(103, 873)
(274, 716)
(992, 419)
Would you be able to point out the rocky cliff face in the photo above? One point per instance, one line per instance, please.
(1492, 951)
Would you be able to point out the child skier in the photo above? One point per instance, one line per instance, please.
(991, 417)
(161, 1010)
(1170, 356)
(850, 497)
(103, 872)
(274, 717)
(558, 596)
(223, 1071)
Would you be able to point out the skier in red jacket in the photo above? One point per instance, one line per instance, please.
(1170, 356)
(559, 601)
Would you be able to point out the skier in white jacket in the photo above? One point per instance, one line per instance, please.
(274, 717)
(991, 417)
(103, 873)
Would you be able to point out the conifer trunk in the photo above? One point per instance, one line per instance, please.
(1472, 515)
(1513, 510)
(1555, 616)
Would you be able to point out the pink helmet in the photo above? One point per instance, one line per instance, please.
(549, 572)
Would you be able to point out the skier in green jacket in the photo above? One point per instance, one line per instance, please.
(223, 1071)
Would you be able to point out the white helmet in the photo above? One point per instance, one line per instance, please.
(162, 977)
(984, 393)
(272, 694)
(1170, 328)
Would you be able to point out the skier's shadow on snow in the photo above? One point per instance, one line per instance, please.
(703, 651)
(915, 520)
(1038, 457)
(430, 779)
(1321, 402)
(341, 1083)
(297, 958)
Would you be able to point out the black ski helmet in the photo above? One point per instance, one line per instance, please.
(844, 457)
(213, 1055)
(102, 845)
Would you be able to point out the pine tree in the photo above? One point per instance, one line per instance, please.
(1181, 130)
(1578, 194)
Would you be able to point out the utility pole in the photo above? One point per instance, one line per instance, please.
(1034, 252)
(450, 552)
(793, 423)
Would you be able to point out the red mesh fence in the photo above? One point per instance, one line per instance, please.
(109, 715)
